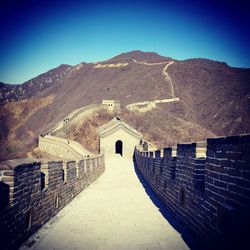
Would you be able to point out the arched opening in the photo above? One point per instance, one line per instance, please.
(118, 147)
(42, 178)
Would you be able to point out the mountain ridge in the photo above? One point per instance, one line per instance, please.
(212, 95)
(130, 55)
(138, 54)
(14, 92)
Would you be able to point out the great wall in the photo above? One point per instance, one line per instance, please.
(51, 142)
(62, 148)
(33, 192)
(145, 106)
(149, 105)
(205, 185)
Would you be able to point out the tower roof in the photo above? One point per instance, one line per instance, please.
(115, 124)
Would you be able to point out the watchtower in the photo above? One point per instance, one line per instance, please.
(112, 104)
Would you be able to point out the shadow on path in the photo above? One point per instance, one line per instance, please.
(192, 241)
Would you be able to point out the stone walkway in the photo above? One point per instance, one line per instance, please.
(115, 212)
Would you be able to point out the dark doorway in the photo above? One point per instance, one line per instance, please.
(118, 147)
(42, 178)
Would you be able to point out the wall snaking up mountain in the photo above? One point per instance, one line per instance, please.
(213, 96)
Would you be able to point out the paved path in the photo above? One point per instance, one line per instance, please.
(115, 212)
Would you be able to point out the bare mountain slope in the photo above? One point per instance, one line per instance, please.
(169, 129)
(218, 95)
(33, 87)
(212, 95)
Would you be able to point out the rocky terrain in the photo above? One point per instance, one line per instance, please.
(214, 98)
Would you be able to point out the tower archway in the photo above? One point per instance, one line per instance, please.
(119, 147)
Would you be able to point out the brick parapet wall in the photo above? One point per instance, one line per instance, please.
(63, 148)
(211, 194)
(34, 192)
(75, 116)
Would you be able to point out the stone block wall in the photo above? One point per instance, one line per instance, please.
(210, 194)
(34, 192)
(63, 148)
(75, 116)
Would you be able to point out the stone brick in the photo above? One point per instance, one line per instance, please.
(210, 154)
(226, 178)
(240, 165)
(245, 174)
(213, 174)
(220, 184)
(234, 188)
(225, 163)
(242, 182)
(234, 155)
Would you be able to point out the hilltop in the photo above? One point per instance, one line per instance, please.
(214, 97)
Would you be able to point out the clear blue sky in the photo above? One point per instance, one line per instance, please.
(39, 35)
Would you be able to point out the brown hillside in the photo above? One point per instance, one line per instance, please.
(14, 115)
(161, 130)
(213, 96)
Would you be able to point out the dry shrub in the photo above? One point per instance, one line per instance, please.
(86, 133)
(16, 149)
(159, 128)
(13, 115)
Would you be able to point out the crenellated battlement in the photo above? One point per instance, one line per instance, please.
(33, 192)
(206, 185)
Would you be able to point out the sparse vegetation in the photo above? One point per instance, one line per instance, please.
(165, 130)
(87, 132)
(13, 115)
(160, 130)
(213, 100)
